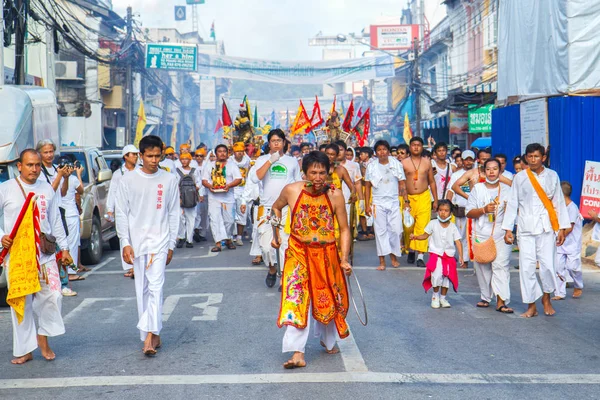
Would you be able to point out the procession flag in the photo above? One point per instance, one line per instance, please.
(192, 138)
(273, 122)
(246, 104)
(333, 105)
(316, 118)
(225, 117)
(301, 122)
(363, 127)
(174, 134)
(23, 278)
(407, 134)
(256, 122)
(287, 120)
(347, 125)
(218, 126)
(141, 124)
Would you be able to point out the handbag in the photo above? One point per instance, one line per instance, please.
(485, 252)
(47, 241)
(460, 212)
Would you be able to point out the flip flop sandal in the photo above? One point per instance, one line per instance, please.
(79, 278)
(216, 249)
(486, 304)
(294, 364)
(149, 352)
(270, 280)
(504, 310)
(257, 261)
(231, 246)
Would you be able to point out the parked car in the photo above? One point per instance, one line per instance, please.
(95, 228)
(113, 158)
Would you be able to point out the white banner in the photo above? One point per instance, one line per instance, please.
(534, 123)
(296, 72)
(207, 93)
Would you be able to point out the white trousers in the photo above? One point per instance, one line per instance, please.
(437, 276)
(533, 249)
(265, 237)
(494, 277)
(201, 222)
(597, 258)
(73, 240)
(186, 224)
(240, 217)
(567, 264)
(149, 280)
(461, 224)
(255, 248)
(387, 223)
(295, 339)
(222, 219)
(44, 305)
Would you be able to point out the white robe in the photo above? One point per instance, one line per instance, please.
(294, 339)
(537, 240)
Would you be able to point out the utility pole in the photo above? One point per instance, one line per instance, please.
(129, 82)
(20, 32)
(416, 82)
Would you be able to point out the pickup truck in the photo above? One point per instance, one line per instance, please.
(95, 229)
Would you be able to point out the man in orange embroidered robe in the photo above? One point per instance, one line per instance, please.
(313, 274)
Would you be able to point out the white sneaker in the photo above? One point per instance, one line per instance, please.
(444, 303)
(68, 292)
(435, 303)
(239, 242)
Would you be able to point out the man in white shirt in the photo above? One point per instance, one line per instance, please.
(273, 171)
(168, 163)
(502, 159)
(189, 181)
(385, 178)
(460, 202)
(147, 216)
(201, 223)
(185, 148)
(220, 177)
(71, 219)
(130, 162)
(537, 202)
(242, 161)
(45, 304)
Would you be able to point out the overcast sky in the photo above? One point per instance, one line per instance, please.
(273, 29)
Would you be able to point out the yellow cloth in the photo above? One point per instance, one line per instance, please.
(420, 209)
(23, 274)
(201, 151)
(239, 146)
(170, 150)
(185, 156)
(312, 271)
(141, 124)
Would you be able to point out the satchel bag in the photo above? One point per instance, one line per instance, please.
(47, 241)
(485, 252)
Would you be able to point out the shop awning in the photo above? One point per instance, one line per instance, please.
(435, 123)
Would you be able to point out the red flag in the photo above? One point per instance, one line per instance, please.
(301, 122)
(347, 125)
(219, 125)
(359, 114)
(362, 128)
(226, 117)
(316, 118)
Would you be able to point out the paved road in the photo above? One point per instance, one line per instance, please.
(221, 341)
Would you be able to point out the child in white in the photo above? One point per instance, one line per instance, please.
(444, 239)
(568, 256)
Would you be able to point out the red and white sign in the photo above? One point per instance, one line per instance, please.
(590, 190)
(394, 37)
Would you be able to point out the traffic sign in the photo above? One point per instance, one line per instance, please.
(180, 14)
(192, 2)
(175, 57)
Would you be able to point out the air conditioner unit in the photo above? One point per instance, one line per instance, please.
(66, 70)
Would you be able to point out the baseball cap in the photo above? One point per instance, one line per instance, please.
(129, 149)
(467, 153)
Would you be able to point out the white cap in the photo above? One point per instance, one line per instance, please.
(468, 153)
(129, 149)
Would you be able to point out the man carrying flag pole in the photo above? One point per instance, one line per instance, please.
(31, 264)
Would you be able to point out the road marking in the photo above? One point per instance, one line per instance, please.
(310, 377)
(353, 359)
(208, 255)
(209, 311)
(88, 302)
(97, 267)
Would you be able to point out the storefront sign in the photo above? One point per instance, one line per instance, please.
(459, 122)
(590, 190)
(480, 119)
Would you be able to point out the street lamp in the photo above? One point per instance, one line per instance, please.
(342, 38)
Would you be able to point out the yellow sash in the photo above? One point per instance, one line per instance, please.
(545, 200)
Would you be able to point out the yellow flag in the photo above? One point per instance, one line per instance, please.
(407, 134)
(23, 276)
(174, 134)
(141, 124)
